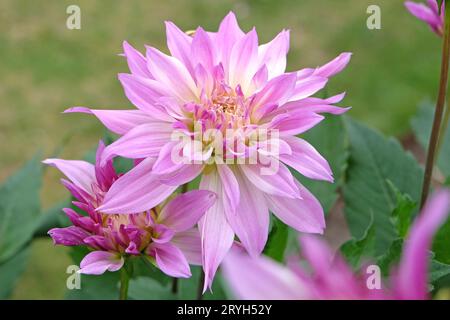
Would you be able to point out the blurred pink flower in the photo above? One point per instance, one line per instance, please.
(211, 84)
(428, 13)
(165, 234)
(332, 278)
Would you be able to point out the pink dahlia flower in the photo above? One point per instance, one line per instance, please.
(223, 107)
(428, 13)
(332, 278)
(165, 234)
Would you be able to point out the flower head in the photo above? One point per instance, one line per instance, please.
(332, 278)
(223, 107)
(165, 233)
(429, 13)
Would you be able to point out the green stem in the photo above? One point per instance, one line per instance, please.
(125, 275)
(440, 104)
(444, 128)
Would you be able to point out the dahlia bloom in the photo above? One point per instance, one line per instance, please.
(332, 278)
(165, 234)
(429, 13)
(222, 107)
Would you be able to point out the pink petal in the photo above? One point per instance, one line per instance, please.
(136, 191)
(280, 183)
(228, 35)
(243, 61)
(189, 242)
(179, 44)
(164, 234)
(412, 273)
(203, 51)
(184, 174)
(425, 14)
(136, 61)
(230, 188)
(184, 211)
(307, 87)
(292, 124)
(276, 91)
(172, 73)
(304, 215)
(145, 94)
(81, 173)
(98, 262)
(334, 67)
(251, 219)
(170, 260)
(118, 121)
(306, 160)
(145, 140)
(70, 236)
(217, 235)
(273, 54)
(262, 279)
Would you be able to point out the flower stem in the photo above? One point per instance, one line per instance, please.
(444, 128)
(434, 138)
(125, 275)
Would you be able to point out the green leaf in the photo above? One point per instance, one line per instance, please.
(441, 243)
(403, 212)
(144, 288)
(278, 238)
(330, 139)
(356, 249)
(373, 160)
(438, 270)
(19, 208)
(391, 257)
(421, 124)
(11, 270)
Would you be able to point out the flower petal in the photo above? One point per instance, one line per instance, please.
(136, 61)
(184, 211)
(251, 219)
(145, 140)
(118, 121)
(280, 183)
(414, 262)
(276, 91)
(243, 61)
(230, 188)
(306, 160)
(144, 94)
(190, 243)
(217, 235)
(262, 279)
(304, 215)
(98, 262)
(70, 236)
(136, 191)
(81, 173)
(172, 73)
(170, 260)
(179, 44)
(228, 35)
(273, 54)
(334, 66)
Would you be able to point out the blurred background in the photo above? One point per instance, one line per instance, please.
(46, 68)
